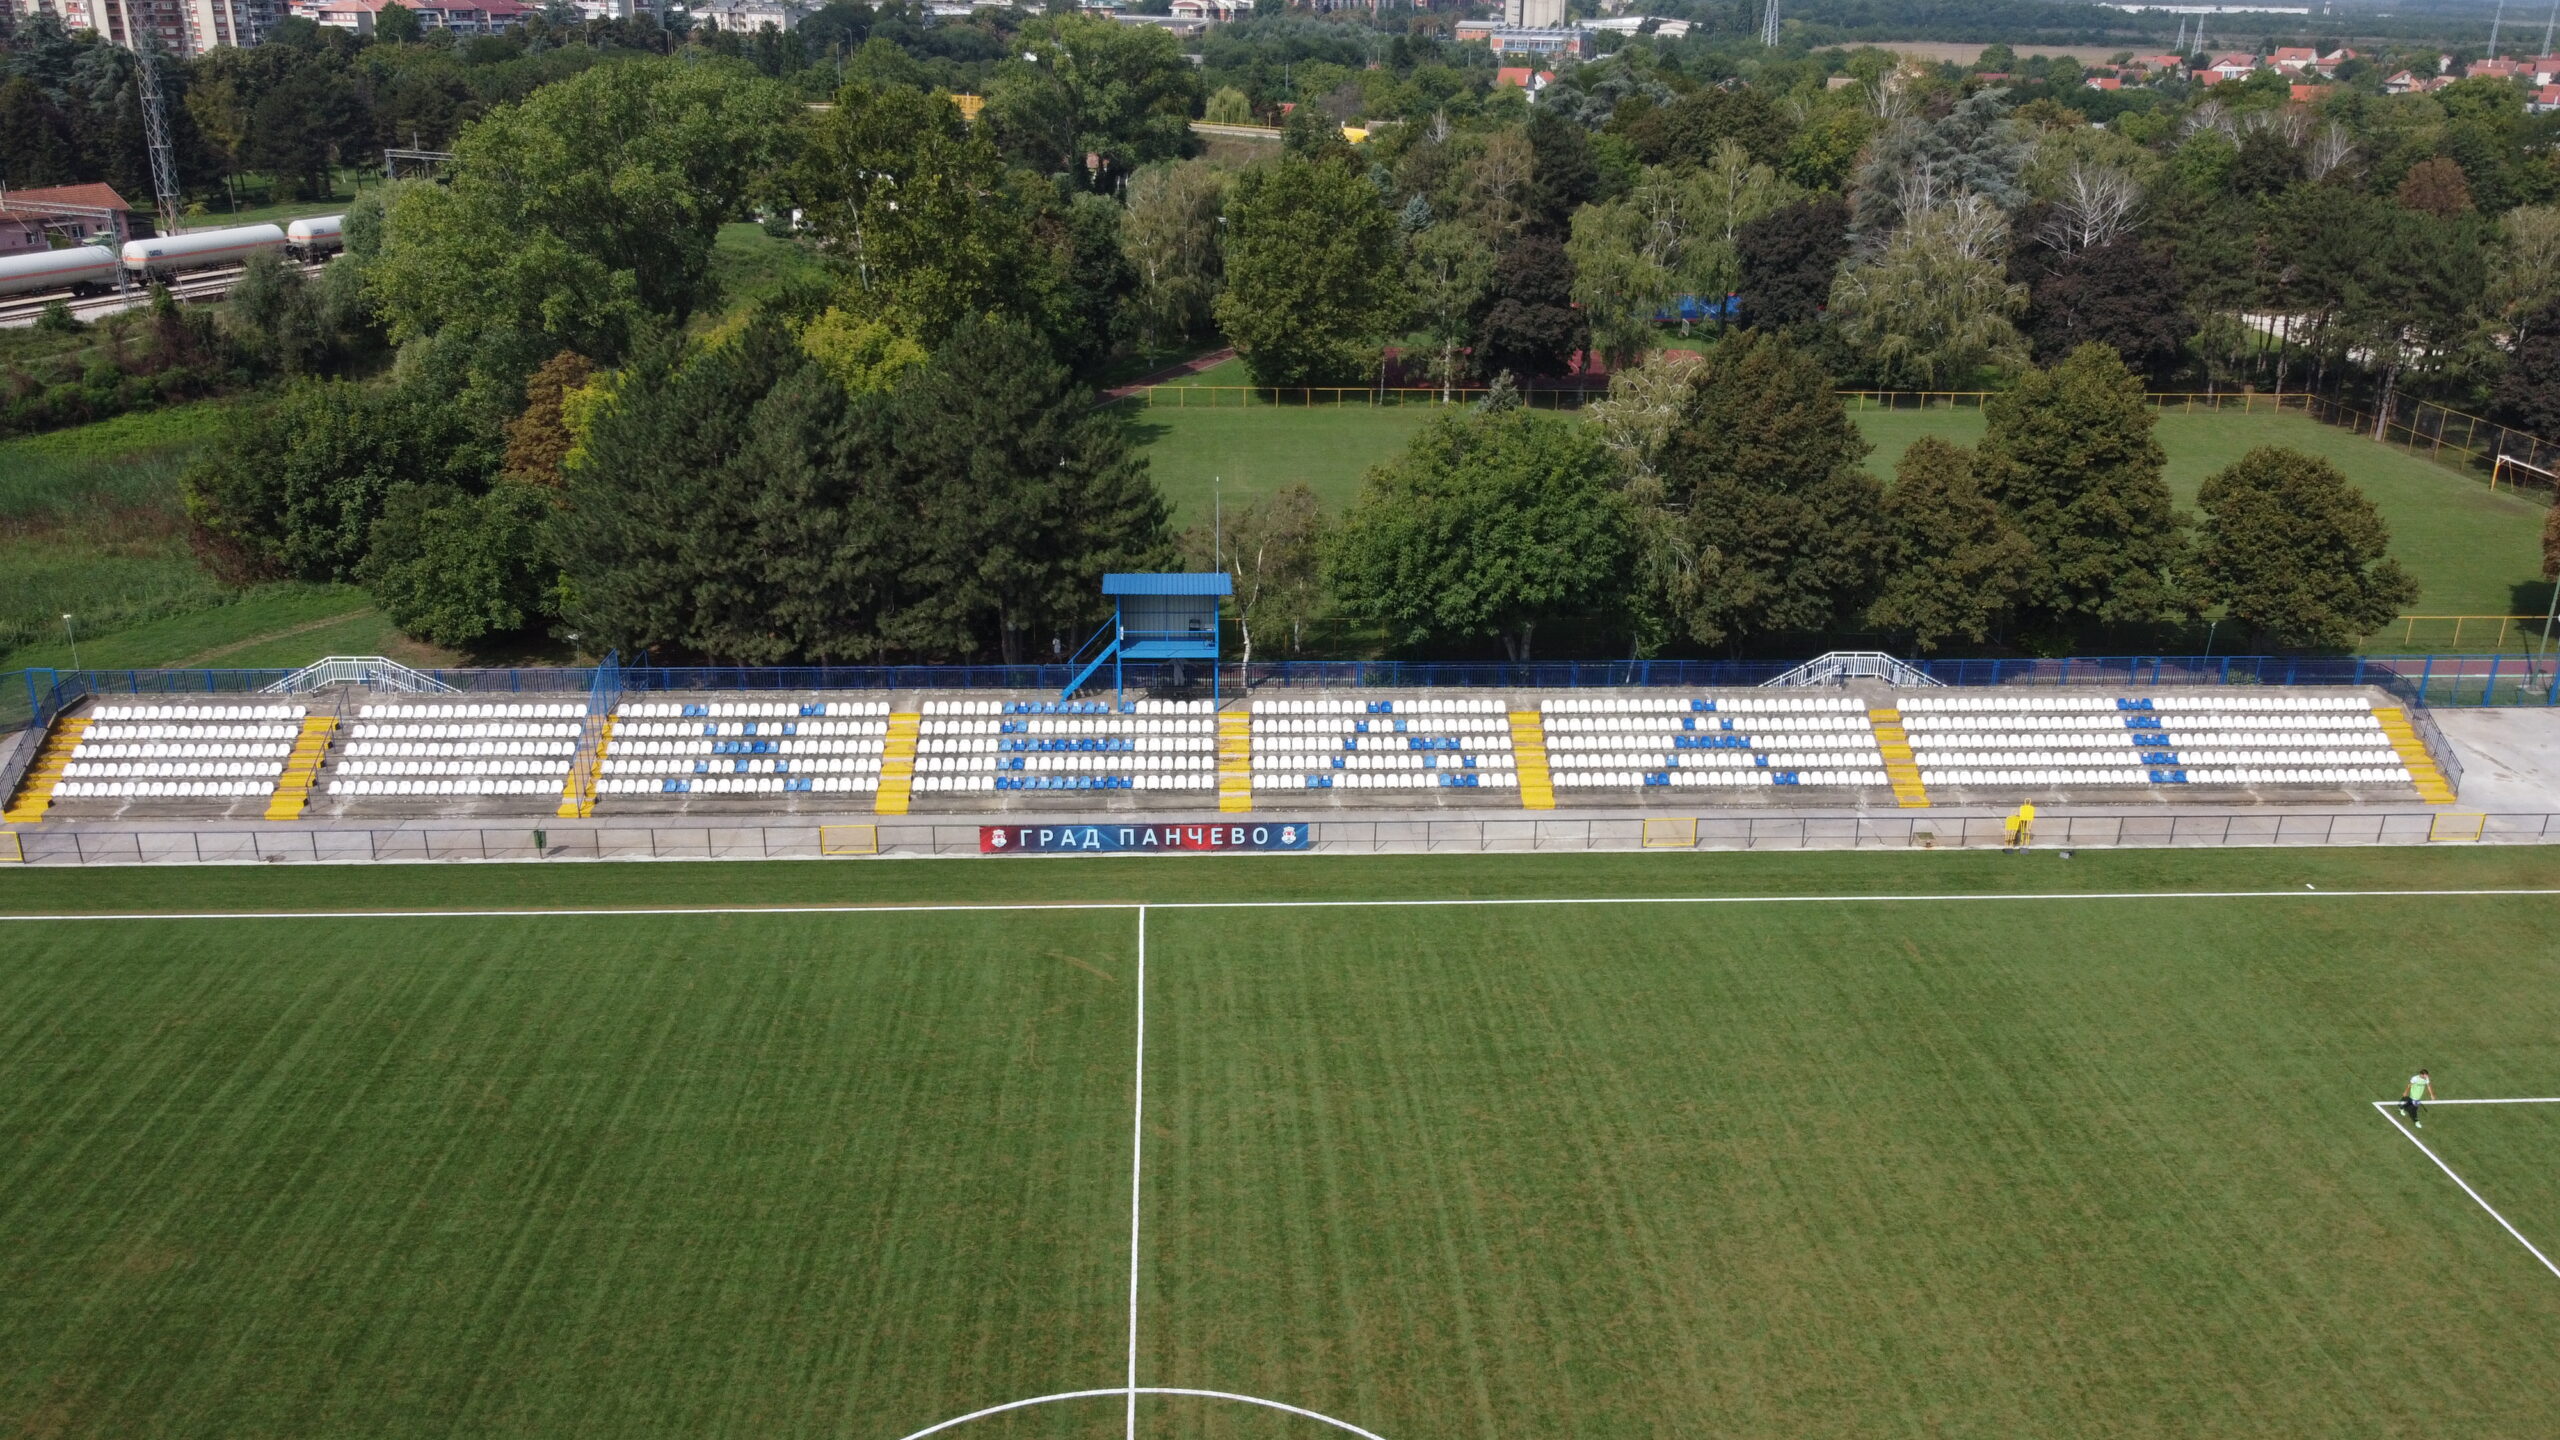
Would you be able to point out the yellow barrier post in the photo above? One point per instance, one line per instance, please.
(848, 839)
(1671, 834)
(2479, 825)
(15, 852)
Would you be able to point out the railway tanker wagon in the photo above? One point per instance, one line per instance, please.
(315, 235)
(79, 269)
(167, 255)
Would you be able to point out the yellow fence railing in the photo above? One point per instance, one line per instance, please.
(1671, 834)
(2524, 629)
(848, 839)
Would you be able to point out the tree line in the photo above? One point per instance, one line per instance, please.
(1721, 504)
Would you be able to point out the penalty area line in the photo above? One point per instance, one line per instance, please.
(2383, 1107)
(1452, 902)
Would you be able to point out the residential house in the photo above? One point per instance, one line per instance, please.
(2329, 63)
(2232, 67)
(1526, 77)
(2294, 59)
(2545, 101)
(2104, 82)
(92, 214)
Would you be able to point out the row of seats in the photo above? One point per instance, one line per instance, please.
(738, 785)
(458, 786)
(170, 770)
(871, 733)
(1703, 705)
(1427, 706)
(199, 714)
(111, 732)
(752, 710)
(218, 750)
(2169, 775)
(1067, 707)
(164, 789)
(1856, 777)
(2048, 701)
(1387, 780)
(410, 712)
(974, 784)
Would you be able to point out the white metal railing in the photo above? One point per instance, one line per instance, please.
(374, 672)
(1841, 666)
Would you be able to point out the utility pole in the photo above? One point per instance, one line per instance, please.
(155, 128)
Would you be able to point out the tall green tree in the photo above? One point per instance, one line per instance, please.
(1770, 516)
(731, 503)
(455, 569)
(2296, 554)
(1953, 564)
(1936, 305)
(921, 209)
(1171, 236)
(1313, 283)
(1272, 551)
(1021, 498)
(586, 208)
(1787, 259)
(1085, 86)
(1491, 523)
(2069, 456)
(1448, 272)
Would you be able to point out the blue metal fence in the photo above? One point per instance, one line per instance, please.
(36, 696)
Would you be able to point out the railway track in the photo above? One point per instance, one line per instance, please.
(21, 310)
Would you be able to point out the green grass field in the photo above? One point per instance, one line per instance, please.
(2474, 552)
(2054, 1165)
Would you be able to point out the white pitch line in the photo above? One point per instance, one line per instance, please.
(2406, 1133)
(1137, 1153)
(2523, 1100)
(1297, 1410)
(608, 912)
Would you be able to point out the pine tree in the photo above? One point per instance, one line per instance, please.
(1770, 514)
(2069, 457)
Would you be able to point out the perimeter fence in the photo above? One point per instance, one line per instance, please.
(852, 838)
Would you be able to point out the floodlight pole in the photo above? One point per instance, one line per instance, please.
(74, 638)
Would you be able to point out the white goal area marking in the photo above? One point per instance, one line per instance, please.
(2388, 1108)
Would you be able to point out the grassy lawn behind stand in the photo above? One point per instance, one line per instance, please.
(2474, 552)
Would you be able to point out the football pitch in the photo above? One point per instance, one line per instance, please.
(1595, 1146)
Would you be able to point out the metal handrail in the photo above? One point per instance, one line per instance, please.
(1841, 666)
(374, 672)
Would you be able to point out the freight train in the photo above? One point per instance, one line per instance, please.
(80, 269)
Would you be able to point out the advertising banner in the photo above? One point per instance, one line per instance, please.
(1120, 838)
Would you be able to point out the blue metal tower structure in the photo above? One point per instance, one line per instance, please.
(1172, 616)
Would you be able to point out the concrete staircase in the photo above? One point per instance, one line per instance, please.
(1899, 767)
(1235, 762)
(2432, 786)
(35, 792)
(898, 764)
(302, 768)
(1529, 761)
(578, 792)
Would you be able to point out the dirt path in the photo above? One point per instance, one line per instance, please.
(194, 662)
(1171, 373)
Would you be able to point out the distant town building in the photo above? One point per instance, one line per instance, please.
(1533, 14)
(749, 16)
(462, 17)
(1505, 40)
